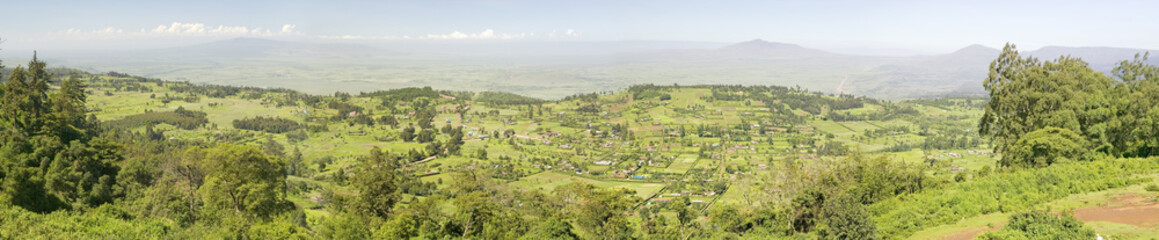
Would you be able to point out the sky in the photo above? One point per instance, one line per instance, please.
(919, 26)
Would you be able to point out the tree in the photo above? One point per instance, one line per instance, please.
(599, 213)
(474, 211)
(727, 217)
(1028, 95)
(376, 183)
(68, 106)
(294, 161)
(481, 154)
(242, 178)
(273, 148)
(1046, 146)
(85, 173)
(552, 228)
(47, 159)
(845, 218)
(1138, 123)
(25, 104)
(425, 136)
(407, 134)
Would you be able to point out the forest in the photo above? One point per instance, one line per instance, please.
(154, 159)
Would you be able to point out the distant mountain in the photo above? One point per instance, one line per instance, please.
(762, 49)
(552, 69)
(258, 48)
(757, 49)
(958, 73)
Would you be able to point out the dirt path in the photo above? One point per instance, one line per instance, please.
(841, 87)
(1127, 209)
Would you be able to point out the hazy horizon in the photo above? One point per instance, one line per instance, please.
(893, 28)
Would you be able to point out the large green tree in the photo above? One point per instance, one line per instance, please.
(1027, 95)
(1046, 146)
(599, 213)
(48, 159)
(242, 179)
(26, 104)
(1138, 130)
(376, 183)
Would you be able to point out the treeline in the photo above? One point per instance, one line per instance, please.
(951, 142)
(185, 119)
(1068, 106)
(403, 94)
(795, 98)
(121, 81)
(584, 97)
(948, 102)
(650, 91)
(888, 111)
(504, 98)
(267, 124)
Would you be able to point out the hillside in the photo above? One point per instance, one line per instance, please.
(723, 160)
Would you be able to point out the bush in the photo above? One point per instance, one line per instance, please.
(1005, 192)
(1041, 225)
(1152, 188)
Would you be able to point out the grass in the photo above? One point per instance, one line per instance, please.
(548, 181)
(345, 148)
(978, 224)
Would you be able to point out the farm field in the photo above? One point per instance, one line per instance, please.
(704, 150)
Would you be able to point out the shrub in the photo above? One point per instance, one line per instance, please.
(1041, 225)
(1152, 188)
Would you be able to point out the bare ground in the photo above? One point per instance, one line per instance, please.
(1130, 209)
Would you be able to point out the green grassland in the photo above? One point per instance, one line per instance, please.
(709, 149)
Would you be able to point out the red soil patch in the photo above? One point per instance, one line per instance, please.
(970, 234)
(1127, 209)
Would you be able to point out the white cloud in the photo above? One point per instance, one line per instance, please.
(179, 29)
(173, 29)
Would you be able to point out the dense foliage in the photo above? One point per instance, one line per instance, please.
(1114, 117)
(1041, 225)
(1010, 192)
(267, 124)
(52, 159)
(653, 162)
(185, 119)
(505, 98)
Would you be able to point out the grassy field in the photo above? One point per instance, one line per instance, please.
(548, 181)
(554, 144)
